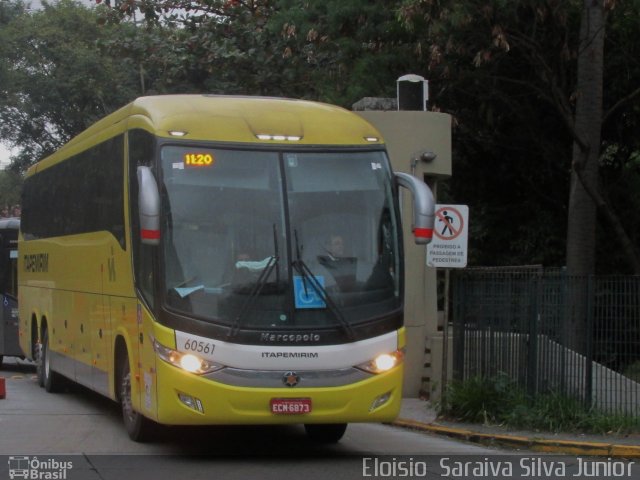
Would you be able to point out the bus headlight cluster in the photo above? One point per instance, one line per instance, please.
(383, 363)
(186, 361)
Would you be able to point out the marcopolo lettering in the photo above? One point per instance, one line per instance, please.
(36, 262)
(293, 337)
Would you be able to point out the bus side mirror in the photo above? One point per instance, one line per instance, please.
(423, 207)
(149, 207)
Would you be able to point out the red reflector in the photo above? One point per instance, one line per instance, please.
(290, 406)
(423, 232)
(150, 234)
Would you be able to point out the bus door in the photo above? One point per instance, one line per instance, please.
(9, 340)
(9, 327)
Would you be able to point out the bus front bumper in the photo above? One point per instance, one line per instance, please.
(188, 399)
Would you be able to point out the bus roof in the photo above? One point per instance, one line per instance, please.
(11, 223)
(235, 119)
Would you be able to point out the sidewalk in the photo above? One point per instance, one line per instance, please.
(420, 415)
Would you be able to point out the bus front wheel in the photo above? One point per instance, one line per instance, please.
(139, 428)
(325, 433)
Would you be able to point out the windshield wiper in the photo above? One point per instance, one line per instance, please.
(307, 276)
(258, 286)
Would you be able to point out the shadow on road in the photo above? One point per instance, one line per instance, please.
(281, 441)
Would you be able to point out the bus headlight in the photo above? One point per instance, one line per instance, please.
(191, 363)
(186, 361)
(383, 363)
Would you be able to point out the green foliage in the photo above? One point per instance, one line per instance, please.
(489, 65)
(555, 412)
(10, 10)
(345, 50)
(505, 70)
(551, 412)
(334, 51)
(500, 401)
(10, 188)
(481, 400)
(55, 79)
(215, 46)
(619, 164)
(633, 371)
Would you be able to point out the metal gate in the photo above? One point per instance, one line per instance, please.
(551, 332)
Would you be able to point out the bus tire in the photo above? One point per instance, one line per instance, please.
(37, 357)
(325, 433)
(36, 351)
(50, 380)
(139, 428)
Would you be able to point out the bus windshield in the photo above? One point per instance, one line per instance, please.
(279, 239)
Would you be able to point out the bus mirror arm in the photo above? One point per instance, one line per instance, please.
(423, 207)
(149, 207)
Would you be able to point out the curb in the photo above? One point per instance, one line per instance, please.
(535, 444)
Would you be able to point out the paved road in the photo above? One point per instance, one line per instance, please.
(79, 421)
(86, 430)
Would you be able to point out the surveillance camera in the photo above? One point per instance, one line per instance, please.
(427, 156)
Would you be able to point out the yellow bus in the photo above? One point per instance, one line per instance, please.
(209, 260)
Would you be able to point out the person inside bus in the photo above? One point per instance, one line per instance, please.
(334, 246)
(341, 267)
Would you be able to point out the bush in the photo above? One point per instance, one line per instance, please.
(481, 400)
(633, 371)
(499, 400)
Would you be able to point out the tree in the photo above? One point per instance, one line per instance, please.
(487, 65)
(204, 46)
(506, 70)
(344, 50)
(10, 188)
(620, 157)
(587, 121)
(56, 79)
(334, 51)
(540, 58)
(585, 195)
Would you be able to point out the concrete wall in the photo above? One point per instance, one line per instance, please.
(406, 134)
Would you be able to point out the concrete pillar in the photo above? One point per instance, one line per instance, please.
(406, 134)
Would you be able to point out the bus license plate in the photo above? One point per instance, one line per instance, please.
(290, 406)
